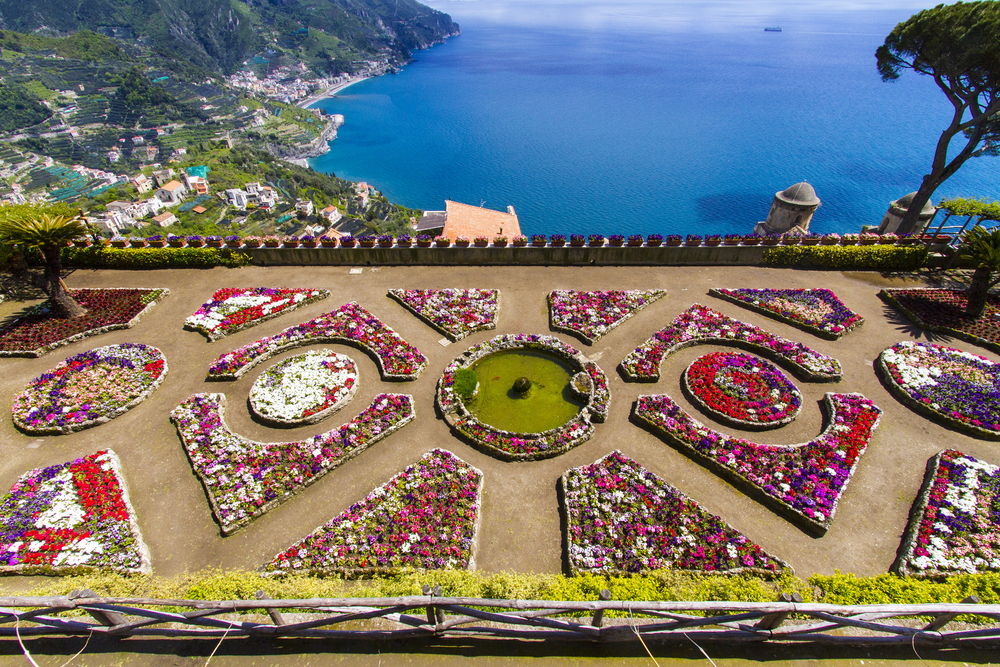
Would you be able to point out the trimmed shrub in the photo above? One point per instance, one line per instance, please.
(847, 258)
(153, 258)
(465, 382)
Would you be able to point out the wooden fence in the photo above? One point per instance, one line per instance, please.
(788, 620)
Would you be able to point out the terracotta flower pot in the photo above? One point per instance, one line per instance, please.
(328, 243)
(424, 244)
(713, 242)
(214, 243)
(673, 243)
(309, 244)
(137, 243)
(461, 243)
(500, 244)
(119, 244)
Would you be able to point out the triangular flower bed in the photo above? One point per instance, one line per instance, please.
(590, 315)
(955, 528)
(456, 313)
(943, 310)
(244, 479)
(622, 518)
(351, 324)
(803, 482)
(71, 518)
(699, 325)
(39, 331)
(233, 309)
(426, 517)
(817, 311)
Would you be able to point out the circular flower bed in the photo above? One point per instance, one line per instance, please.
(742, 390)
(304, 389)
(89, 389)
(956, 387)
(526, 446)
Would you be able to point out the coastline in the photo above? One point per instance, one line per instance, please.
(329, 92)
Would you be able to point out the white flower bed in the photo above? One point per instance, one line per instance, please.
(304, 389)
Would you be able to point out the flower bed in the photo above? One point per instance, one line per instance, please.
(590, 315)
(956, 525)
(621, 518)
(956, 387)
(742, 390)
(71, 518)
(244, 479)
(699, 325)
(943, 310)
(817, 311)
(525, 446)
(456, 313)
(233, 309)
(39, 331)
(89, 389)
(304, 389)
(426, 517)
(351, 324)
(804, 482)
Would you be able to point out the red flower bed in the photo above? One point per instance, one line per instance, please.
(39, 331)
(943, 310)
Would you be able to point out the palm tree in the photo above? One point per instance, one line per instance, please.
(982, 248)
(47, 229)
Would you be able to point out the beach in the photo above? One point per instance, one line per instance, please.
(330, 92)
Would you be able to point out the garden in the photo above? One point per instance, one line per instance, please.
(281, 450)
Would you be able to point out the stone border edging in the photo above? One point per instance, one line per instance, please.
(808, 328)
(912, 532)
(459, 418)
(212, 337)
(887, 296)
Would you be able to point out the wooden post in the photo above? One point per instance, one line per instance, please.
(276, 616)
(439, 612)
(771, 621)
(599, 614)
(106, 618)
(431, 616)
(944, 619)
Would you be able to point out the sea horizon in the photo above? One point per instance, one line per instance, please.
(626, 117)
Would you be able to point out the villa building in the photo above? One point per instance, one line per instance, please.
(469, 221)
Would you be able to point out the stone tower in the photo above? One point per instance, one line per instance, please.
(791, 211)
(898, 208)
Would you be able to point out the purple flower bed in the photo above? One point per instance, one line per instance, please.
(89, 389)
(591, 315)
(957, 523)
(397, 359)
(244, 479)
(71, 518)
(956, 387)
(742, 390)
(233, 309)
(817, 311)
(805, 482)
(621, 518)
(454, 312)
(699, 325)
(426, 517)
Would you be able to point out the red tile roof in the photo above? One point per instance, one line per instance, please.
(473, 221)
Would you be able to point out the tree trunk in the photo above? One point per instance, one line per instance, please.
(978, 291)
(63, 305)
(909, 222)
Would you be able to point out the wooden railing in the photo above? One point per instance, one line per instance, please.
(788, 620)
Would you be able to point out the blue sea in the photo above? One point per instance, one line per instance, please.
(667, 117)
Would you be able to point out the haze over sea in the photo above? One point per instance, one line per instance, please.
(666, 117)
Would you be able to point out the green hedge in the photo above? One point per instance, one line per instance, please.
(891, 589)
(848, 258)
(153, 258)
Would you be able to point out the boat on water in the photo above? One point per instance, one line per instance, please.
(774, 29)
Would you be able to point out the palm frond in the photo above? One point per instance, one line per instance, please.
(982, 247)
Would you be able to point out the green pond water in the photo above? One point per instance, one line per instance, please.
(548, 404)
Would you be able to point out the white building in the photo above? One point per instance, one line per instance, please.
(304, 206)
(237, 198)
(171, 193)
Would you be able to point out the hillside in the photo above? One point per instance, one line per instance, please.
(218, 35)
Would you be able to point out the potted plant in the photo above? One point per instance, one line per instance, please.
(538, 240)
(137, 242)
(908, 239)
(557, 240)
(654, 240)
(461, 242)
(290, 242)
(404, 241)
(830, 239)
(328, 241)
(347, 241)
(442, 241)
(713, 240)
(271, 242)
(81, 242)
(366, 241)
(385, 240)
(519, 241)
(849, 239)
(673, 240)
(596, 240)
(308, 241)
(119, 242)
(867, 238)
(481, 241)
(771, 239)
(213, 241)
(424, 241)
(500, 241)
(577, 240)
(195, 241)
(616, 240)
(732, 239)
(634, 240)
(789, 239)
(156, 241)
(693, 240)
(175, 241)
(751, 239)
(810, 239)
(888, 239)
